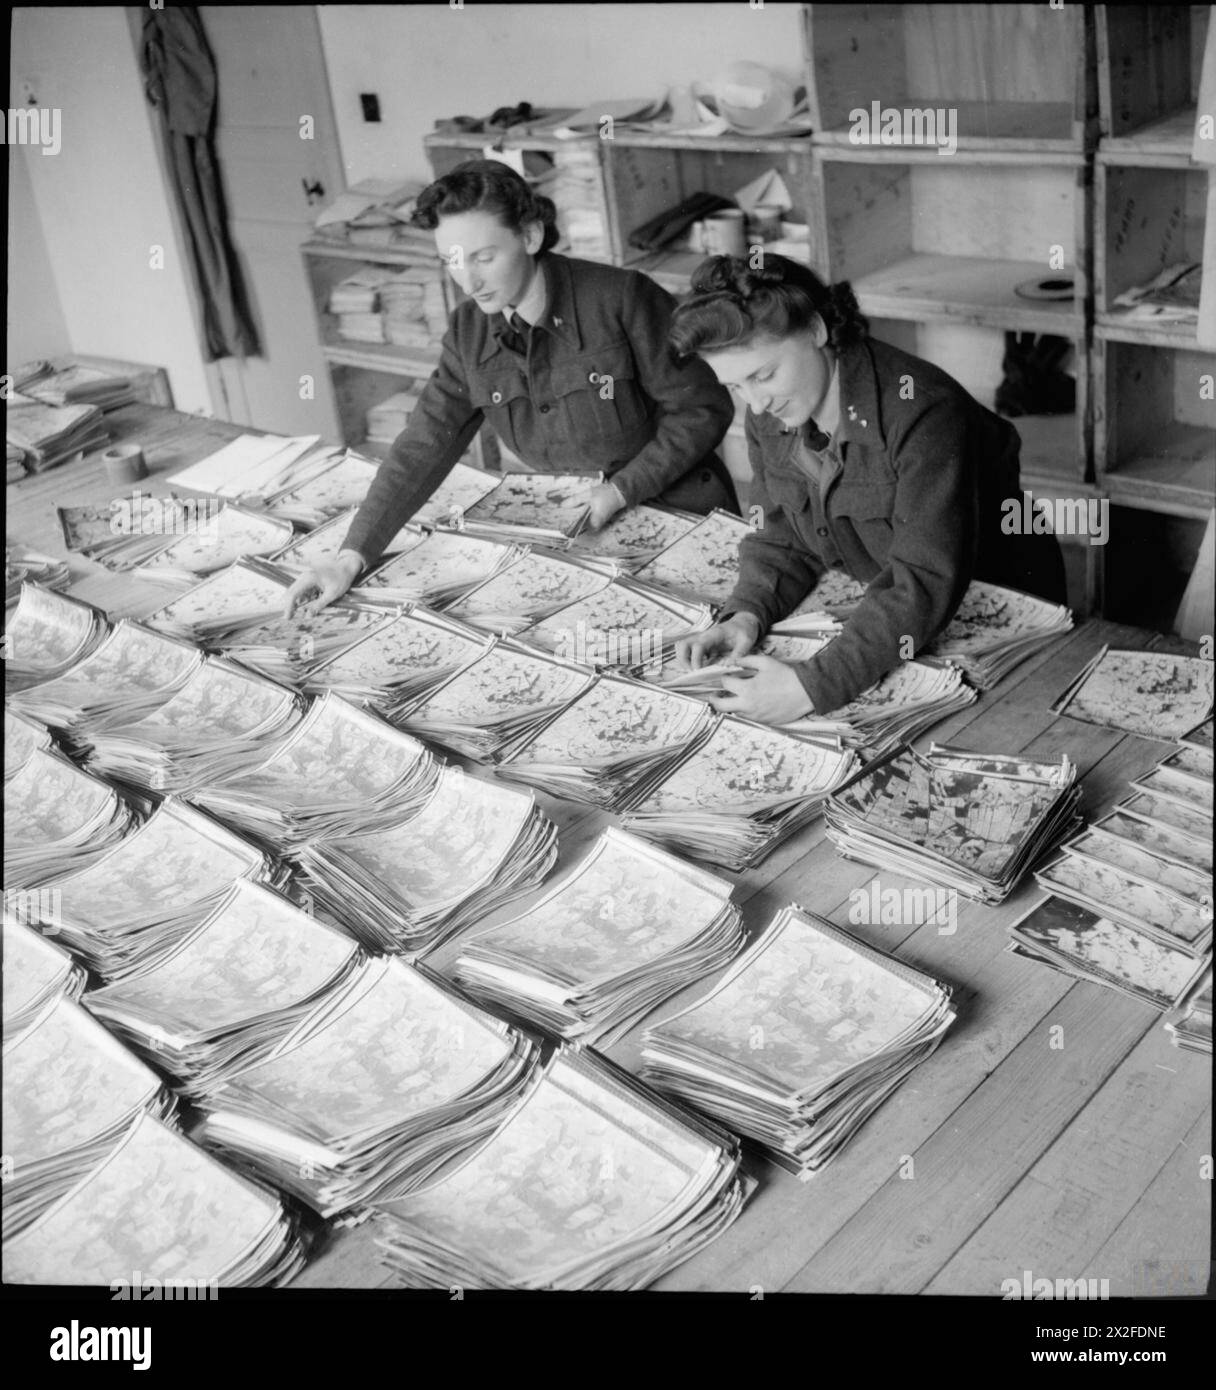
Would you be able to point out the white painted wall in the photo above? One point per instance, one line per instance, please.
(101, 204)
(430, 61)
(36, 326)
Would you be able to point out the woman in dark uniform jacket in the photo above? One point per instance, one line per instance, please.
(865, 459)
(566, 359)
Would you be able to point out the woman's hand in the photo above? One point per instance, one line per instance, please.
(323, 583)
(722, 642)
(772, 695)
(606, 501)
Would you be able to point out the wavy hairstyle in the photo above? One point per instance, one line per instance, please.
(733, 302)
(486, 185)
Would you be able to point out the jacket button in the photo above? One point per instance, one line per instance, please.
(544, 410)
(496, 397)
(593, 378)
(823, 530)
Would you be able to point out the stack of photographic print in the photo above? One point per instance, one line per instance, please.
(1153, 694)
(1190, 1028)
(463, 487)
(635, 536)
(804, 1037)
(623, 930)
(23, 737)
(438, 568)
(320, 546)
(974, 822)
(340, 484)
(225, 535)
(533, 508)
(994, 630)
(126, 531)
(36, 971)
(530, 589)
(291, 650)
(594, 1182)
(21, 563)
(46, 634)
(388, 1078)
(702, 564)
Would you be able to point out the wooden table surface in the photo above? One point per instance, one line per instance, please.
(1055, 1130)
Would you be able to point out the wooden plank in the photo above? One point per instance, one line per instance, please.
(1144, 62)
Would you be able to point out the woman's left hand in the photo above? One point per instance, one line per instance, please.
(772, 695)
(606, 501)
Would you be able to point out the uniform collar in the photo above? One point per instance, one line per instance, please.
(559, 318)
(860, 419)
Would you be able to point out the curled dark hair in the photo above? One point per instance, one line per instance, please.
(487, 185)
(733, 302)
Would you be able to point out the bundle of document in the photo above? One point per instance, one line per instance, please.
(734, 798)
(132, 672)
(473, 847)
(593, 1182)
(70, 1091)
(1191, 1025)
(624, 929)
(994, 630)
(133, 904)
(387, 1079)
(48, 435)
(805, 1036)
(438, 567)
(46, 634)
(22, 738)
(359, 293)
(530, 589)
(36, 971)
(402, 661)
(75, 385)
(542, 508)
(1153, 694)
(258, 466)
(325, 541)
(292, 650)
(389, 417)
(413, 307)
(227, 535)
(635, 536)
(969, 821)
(498, 703)
(21, 563)
(130, 529)
(231, 989)
(223, 719)
(703, 563)
(342, 483)
(576, 186)
(611, 745)
(58, 818)
(221, 606)
(340, 771)
(463, 487)
(157, 1206)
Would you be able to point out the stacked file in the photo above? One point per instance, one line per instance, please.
(340, 771)
(57, 818)
(49, 435)
(292, 650)
(995, 630)
(733, 798)
(593, 1182)
(969, 821)
(577, 188)
(1153, 694)
(157, 1206)
(222, 720)
(221, 606)
(802, 1040)
(498, 703)
(835, 595)
(530, 589)
(70, 1091)
(413, 307)
(341, 484)
(21, 563)
(75, 385)
(386, 1080)
(46, 634)
(133, 904)
(439, 567)
(634, 536)
(473, 847)
(1191, 1026)
(230, 534)
(534, 508)
(231, 989)
(703, 564)
(402, 661)
(611, 745)
(36, 971)
(22, 738)
(133, 671)
(359, 293)
(389, 417)
(318, 546)
(463, 487)
(130, 529)
(625, 929)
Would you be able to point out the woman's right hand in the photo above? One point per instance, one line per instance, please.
(322, 584)
(723, 642)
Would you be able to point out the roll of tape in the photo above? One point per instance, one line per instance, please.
(125, 463)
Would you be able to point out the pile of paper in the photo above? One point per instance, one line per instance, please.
(623, 930)
(130, 529)
(258, 466)
(224, 604)
(969, 821)
(343, 483)
(577, 188)
(401, 661)
(70, 1091)
(472, 848)
(530, 589)
(438, 567)
(463, 487)
(355, 302)
(499, 702)
(129, 674)
(611, 745)
(134, 903)
(593, 1182)
(1191, 1026)
(231, 989)
(58, 818)
(703, 564)
(48, 435)
(389, 417)
(413, 307)
(292, 650)
(21, 563)
(230, 534)
(635, 536)
(1153, 694)
(340, 771)
(995, 630)
(157, 1207)
(387, 1079)
(75, 385)
(317, 546)
(542, 508)
(803, 1039)
(733, 798)
(22, 738)
(222, 720)
(46, 634)
(36, 971)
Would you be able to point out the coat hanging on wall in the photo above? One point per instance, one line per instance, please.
(180, 81)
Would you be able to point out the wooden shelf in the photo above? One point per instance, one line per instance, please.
(1028, 132)
(1117, 328)
(385, 357)
(711, 144)
(1050, 446)
(1176, 477)
(966, 289)
(1163, 143)
(423, 255)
